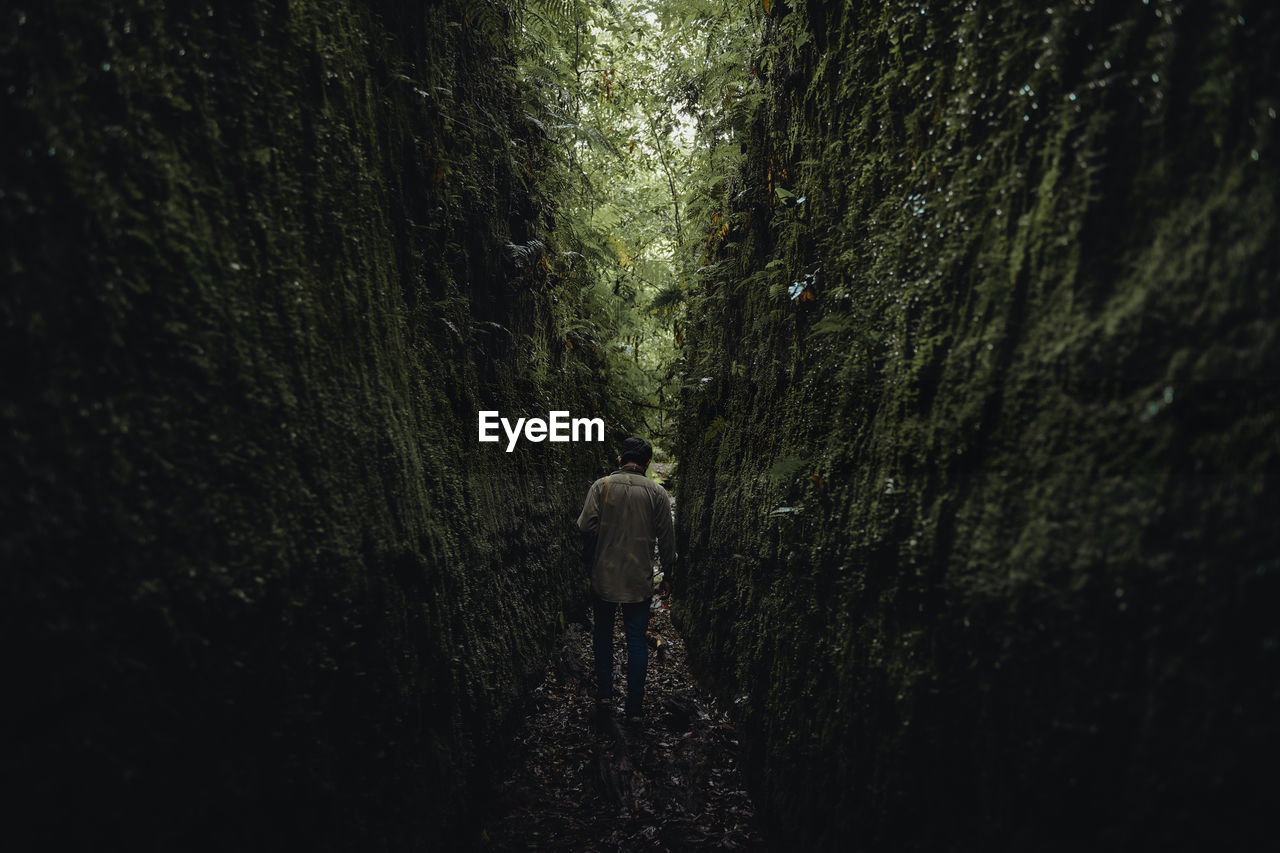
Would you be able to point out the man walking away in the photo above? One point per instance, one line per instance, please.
(626, 512)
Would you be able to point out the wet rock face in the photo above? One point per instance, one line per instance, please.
(978, 465)
(255, 292)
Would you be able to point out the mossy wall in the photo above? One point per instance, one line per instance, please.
(263, 588)
(981, 436)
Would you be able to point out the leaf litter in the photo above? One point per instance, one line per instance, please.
(586, 780)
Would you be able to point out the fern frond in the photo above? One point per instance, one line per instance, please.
(526, 253)
(483, 17)
(560, 10)
(667, 298)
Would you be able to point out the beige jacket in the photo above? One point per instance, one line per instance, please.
(636, 511)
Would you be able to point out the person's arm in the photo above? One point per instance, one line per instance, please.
(664, 531)
(589, 524)
(589, 519)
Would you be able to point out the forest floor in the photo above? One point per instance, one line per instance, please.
(590, 781)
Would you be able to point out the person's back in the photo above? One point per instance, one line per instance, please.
(626, 512)
(632, 512)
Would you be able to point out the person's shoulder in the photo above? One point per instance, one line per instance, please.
(654, 485)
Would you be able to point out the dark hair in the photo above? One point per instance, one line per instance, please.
(635, 450)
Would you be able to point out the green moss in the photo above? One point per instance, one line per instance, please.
(271, 591)
(1034, 390)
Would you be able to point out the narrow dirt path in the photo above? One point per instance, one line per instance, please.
(586, 781)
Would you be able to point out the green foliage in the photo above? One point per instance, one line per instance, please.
(624, 90)
(784, 468)
(484, 17)
(667, 299)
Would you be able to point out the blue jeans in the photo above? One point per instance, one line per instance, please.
(635, 618)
